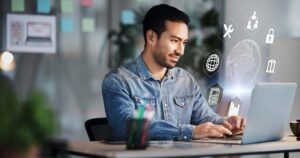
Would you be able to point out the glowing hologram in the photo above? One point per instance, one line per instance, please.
(243, 63)
(228, 30)
(214, 94)
(270, 36)
(252, 22)
(271, 66)
(234, 107)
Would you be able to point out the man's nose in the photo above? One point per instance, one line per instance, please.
(180, 49)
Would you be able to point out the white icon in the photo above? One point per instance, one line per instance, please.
(212, 63)
(214, 94)
(234, 107)
(252, 22)
(270, 36)
(271, 66)
(228, 30)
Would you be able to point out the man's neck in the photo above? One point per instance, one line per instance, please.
(157, 71)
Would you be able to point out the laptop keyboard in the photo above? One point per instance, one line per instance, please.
(233, 137)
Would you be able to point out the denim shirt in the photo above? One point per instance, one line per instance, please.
(177, 101)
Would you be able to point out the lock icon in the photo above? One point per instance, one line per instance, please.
(270, 36)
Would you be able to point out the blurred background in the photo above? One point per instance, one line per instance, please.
(92, 37)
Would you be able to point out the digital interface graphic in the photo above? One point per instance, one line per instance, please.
(246, 61)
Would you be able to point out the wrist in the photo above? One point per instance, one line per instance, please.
(186, 132)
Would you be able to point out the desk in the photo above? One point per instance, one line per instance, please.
(183, 149)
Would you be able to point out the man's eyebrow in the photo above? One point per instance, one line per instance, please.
(173, 36)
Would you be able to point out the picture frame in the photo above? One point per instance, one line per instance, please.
(31, 33)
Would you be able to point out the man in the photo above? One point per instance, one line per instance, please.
(181, 111)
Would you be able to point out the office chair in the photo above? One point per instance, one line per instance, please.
(98, 129)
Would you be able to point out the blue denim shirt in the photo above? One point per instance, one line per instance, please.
(177, 101)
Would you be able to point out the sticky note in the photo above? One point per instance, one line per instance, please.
(67, 6)
(66, 25)
(43, 6)
(88, 24)
(86, 3)
(17, 5)
(128, 17)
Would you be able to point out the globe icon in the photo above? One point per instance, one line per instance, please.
(212, 63)
(243, 63)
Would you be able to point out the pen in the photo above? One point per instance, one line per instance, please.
(141, 112)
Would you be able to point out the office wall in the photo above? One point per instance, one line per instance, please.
(71, 78)
(287, 53)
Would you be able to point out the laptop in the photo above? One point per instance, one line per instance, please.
(269, 112)
(38, 34)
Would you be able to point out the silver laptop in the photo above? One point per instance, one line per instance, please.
(269, 112)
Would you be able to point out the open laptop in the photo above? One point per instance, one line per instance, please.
(38, 34)
(269, 112)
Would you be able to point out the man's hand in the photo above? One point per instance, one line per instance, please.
(208, 129)
(235, 124)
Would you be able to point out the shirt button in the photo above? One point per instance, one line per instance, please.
(182, 103)
(185, 137)
(166, 104)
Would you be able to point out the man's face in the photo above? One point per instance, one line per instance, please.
(170, 46)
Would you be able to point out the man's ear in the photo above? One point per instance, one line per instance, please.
(151, 37)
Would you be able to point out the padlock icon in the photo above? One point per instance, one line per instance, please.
(270, 36)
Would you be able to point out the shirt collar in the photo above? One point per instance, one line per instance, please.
(144, 72)
(169, 74)
(142, 68)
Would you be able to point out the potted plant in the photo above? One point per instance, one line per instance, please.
(24, 124)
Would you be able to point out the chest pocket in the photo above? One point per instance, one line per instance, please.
(148, 101)
(183, 101)
(183, 107)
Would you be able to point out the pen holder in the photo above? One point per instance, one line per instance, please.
(137, 134)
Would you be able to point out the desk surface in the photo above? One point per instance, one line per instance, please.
(182, 149)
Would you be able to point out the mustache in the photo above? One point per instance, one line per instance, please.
(175, 55)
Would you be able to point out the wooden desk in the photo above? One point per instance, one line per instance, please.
(183, 149)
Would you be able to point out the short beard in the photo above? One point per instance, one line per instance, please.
(161, 60)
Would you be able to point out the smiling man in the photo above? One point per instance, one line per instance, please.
(181, 111)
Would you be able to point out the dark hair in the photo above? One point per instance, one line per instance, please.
(157, 16)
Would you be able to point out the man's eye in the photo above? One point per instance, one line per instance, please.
(174, 41)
